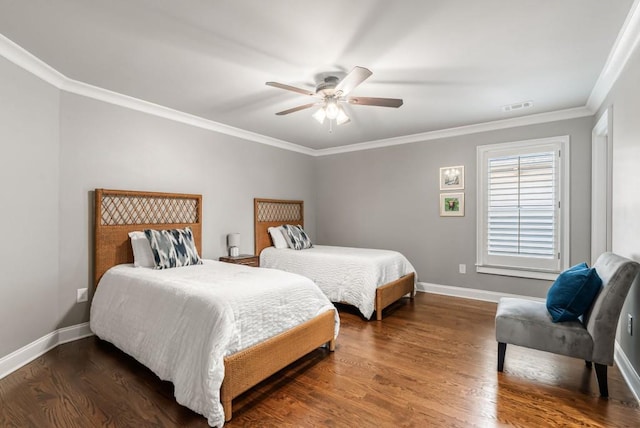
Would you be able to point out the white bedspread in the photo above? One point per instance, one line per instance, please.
(182, 322)
(348, 275)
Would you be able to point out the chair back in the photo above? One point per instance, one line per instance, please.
(617, 274)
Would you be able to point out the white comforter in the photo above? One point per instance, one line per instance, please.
(182, 322)
(348, 275)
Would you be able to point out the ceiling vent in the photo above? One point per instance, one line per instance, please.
(517, 106)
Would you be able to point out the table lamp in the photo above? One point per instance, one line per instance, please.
(233, 242)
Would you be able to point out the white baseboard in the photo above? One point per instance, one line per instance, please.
(628, 372)
(33, 350)
(469, 293)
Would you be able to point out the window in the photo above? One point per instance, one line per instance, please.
(523, 208)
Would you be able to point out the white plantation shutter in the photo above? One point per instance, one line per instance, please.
(521, 214)
(520, 206)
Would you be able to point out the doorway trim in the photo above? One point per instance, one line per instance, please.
(601, 185)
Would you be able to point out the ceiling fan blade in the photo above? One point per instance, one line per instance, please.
(351, 80)
(295, 109)
(369, 101)
(291, 88)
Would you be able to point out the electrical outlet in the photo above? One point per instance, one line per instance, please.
(462, 268)
(83, 295)
(630, 324)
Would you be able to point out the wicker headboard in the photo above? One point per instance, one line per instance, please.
(274, 212)
(119, 212)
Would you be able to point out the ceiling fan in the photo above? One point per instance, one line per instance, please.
(332, 92)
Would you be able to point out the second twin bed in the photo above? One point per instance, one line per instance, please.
(368, 279)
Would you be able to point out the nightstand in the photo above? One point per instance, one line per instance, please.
(242, 259)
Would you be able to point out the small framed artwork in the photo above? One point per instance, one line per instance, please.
(452, 204)
(452, 178)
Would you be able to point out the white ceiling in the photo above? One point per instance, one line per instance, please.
(454, 62)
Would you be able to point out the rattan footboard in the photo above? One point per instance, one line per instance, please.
(251, 366)
(391, 292)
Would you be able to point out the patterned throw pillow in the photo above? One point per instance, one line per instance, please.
(173, 248)
(298, 237)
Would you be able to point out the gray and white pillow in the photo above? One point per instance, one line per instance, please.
(173, 248)
(298, 238)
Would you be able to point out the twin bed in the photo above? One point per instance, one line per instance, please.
(368, 279)
(165, 318)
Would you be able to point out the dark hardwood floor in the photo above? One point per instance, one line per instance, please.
(431, 362)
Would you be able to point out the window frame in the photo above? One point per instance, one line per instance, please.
(484, 152)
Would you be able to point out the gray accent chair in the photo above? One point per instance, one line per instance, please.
(528, 323)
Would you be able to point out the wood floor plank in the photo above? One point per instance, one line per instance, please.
(431, 362)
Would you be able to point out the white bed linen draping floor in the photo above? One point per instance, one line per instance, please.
(344, 274)
(182, 322)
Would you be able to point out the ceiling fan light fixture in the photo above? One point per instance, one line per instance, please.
(331, 108)
(320, 115)
(342, 117)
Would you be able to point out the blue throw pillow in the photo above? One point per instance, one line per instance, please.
(573, 292)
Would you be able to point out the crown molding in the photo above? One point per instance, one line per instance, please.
(24, 59)
(111, 97)
(622, 49)
(34, 65)
(533, 119)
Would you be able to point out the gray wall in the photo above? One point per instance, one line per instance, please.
(388, 198)
(29, 214)
(624, 100)
(58, 147)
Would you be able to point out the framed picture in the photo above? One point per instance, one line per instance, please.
(451, 204)
(452, 178)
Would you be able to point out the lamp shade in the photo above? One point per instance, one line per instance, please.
(342, 117)
(233, 240)
(320, 115)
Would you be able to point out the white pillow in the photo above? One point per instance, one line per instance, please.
(142, 254)
(277, 237)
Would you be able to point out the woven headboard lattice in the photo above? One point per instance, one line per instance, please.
(274, 212)
(120, 209)
(279, 211)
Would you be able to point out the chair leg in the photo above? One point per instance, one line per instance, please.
(587, 363)
(502, 349)
(601, 374)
